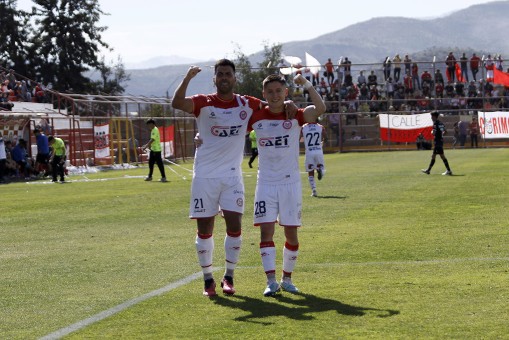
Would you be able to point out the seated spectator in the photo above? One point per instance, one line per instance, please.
(361, 79)
(39, 93)
(372, 79)
(19, 155)
(422, 143)
(426, 78)
(439, 89)
(438, 76)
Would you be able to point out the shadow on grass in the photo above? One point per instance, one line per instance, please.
(298, 306)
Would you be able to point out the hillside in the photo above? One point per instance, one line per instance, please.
(481, 28)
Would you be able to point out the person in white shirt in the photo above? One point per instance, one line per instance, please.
(278, 195)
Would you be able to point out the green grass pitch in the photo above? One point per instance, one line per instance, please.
(386, 252)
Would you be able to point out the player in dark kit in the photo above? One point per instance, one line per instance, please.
(439, 132)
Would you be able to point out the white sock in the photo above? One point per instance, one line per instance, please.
(268, 254)
(205, 250)
(312, 183)
(289, 259)
(232, 252)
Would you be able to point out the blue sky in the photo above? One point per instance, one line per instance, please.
(205, 29)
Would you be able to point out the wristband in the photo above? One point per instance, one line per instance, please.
(307, 85)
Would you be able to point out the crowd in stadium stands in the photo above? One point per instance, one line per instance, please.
(398, 85)
(13, 89)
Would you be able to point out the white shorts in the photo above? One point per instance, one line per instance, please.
(312, 161)
(211, 195)
(278, 200)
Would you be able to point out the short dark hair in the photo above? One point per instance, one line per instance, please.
(224, 62)
(274, 78)
(50, 138)
(36, 130)
(435, 113)
(151, 121)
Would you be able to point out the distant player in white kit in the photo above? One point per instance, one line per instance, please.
(278, 194)
(314, 135)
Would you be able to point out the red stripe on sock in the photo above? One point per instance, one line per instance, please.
(234, 234)
(290, 247)
(204, 236)
(267, 244)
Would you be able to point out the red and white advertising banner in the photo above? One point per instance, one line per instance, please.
(102, 140)
(405, 128)
(493, 125)
(167, 134)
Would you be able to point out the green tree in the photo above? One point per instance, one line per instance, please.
(69, 42)
(14, 37)
(113, 77)
(249, 79)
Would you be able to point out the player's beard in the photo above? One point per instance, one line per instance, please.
(224, 87)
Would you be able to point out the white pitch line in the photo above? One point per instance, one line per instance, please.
(112, 311)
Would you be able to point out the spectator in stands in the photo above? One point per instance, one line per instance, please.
(397, 67)
(387, 65)
(12, 79)
(459, 87)
(361, 79)
(333, 123)
(329, 71)
(450, 61)
(449, 89)
(408, 64)
(474, 65)
(372, 79)
(474, 132)
(489, 64)
(439, 89)
(389, 88)
(499, 63)
(415, 76)
(464, 66)
(39, 93)
(439, 78)
(25, 94)
(347, 65)
(408, 84)
(4, 89)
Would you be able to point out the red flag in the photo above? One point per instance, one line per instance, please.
(500, 77)
(459, 76)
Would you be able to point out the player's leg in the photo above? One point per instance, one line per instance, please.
(205, 250)
(432, 162)
(231, 202)
(265, 216)
(160, 165)
(151, 162)
(268, 255)
(290, 254)
(290, 219)
(232, 246)
(203, 207)
(446, 163)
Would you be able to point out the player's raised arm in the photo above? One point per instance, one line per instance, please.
(311, 112)
(180, 101)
